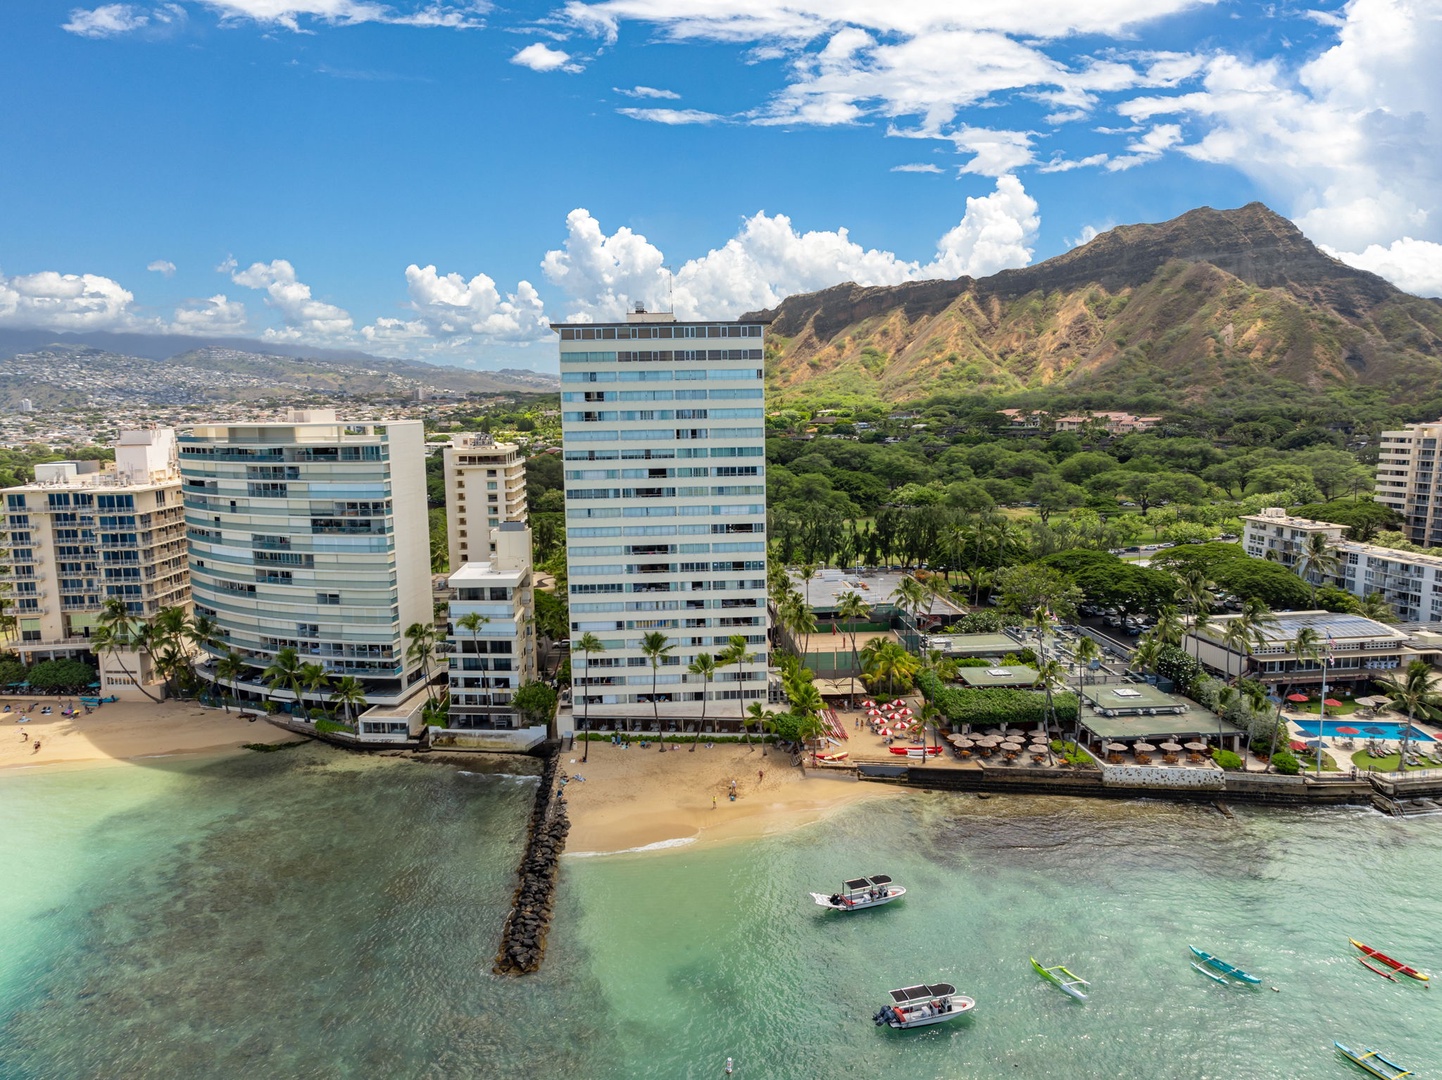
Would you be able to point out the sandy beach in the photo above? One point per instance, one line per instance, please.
(637, 798)
(121, 731)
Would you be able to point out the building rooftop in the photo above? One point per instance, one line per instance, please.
(972, 644)
(474, 574)
(1198, 723)
(1338, 626)
(874, 586)
(1012, 675)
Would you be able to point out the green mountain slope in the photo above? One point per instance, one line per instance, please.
(1208, 305)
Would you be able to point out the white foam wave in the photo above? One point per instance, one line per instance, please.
(660, 845)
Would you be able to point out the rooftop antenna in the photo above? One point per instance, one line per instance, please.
(670, 291)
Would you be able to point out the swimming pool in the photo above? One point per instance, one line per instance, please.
(1373, 728)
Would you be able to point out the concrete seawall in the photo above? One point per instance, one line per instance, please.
(1090, 783)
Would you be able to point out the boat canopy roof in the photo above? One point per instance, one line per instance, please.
(868, 882)
(922, 992)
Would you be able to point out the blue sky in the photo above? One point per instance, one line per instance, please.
(436, 178)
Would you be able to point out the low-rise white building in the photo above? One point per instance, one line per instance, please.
(1355, 650)
(1411, 582)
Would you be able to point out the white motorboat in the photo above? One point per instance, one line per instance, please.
(918, 1006)
(862, 892)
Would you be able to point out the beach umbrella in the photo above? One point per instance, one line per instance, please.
(1116, 747)
(1143, 747)
(1171, 747)
(899, 701)
(1348, 731)
(885, 733)
(1017, 739)
(869, 704)
(1038, 732)
(1196, 746)
(1315, 744)
(961, 742)
(1295, 745)
(1331, 703)
(1297, 697)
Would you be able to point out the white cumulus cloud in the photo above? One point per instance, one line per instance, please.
(1346, 142)
(109, 20)
(1414, 266)
(48, 300)
(449, 305)
(917, 167)
(305, 318)
(769, 260)
(541, 57)
(214, 315)
(163, 267)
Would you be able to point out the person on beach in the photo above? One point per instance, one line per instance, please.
(760, 775)
(713, 802)
(37, 747)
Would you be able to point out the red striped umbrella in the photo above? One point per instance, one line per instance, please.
(1331, 703)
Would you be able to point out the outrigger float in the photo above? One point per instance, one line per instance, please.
(1395, 965)
(1374, 1062)
(918, 1006)
(1068, 982)
(1224, 967)
(862, 892)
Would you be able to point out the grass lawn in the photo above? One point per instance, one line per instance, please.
(1390, 763)
(1347, 708)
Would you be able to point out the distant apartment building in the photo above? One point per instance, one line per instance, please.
(1406, 476)
(85, 532)
(485, 487)
(1022, 419)
(1114, 423)
(663, 434)
(1411, 582)
(488, 664)
(311, 534)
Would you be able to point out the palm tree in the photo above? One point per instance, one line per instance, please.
(284, 672)
(852, 608)
(736, 654)
(1306, 645)
(1255, 695)
(886, 662)
(806, 706)
(1375, 606)
(1085, 652)
(1316, 560)
(1049, 675)
(1144, 656)
(230, 668)
(657, 647)
(422, 650)
(586, 644)
(807, 573)
(763, 718)
(349, 694)
(704, 668)
(202, 633)
(314, 679)
(909, 595)
(1237, 636)
(1196, 592)
(1168, 627)
(799, 620)
(1413, 692)
(167, 644)
(115, 630)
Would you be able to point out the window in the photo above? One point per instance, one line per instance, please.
(330, 598)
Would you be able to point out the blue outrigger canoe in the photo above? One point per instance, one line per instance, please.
(1374, 1062)
(1224, 967)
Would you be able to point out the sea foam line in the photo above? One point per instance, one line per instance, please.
(659, 845)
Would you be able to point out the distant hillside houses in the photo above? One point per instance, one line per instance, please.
(1114, 423)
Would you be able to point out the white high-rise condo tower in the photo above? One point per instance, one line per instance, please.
(663, 426)
(311, 534)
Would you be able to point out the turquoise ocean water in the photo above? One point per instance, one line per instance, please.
(315, 914)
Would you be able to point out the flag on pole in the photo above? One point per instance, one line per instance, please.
(1331, 648)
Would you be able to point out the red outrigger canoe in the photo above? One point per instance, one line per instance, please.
(1395, 965)
(916, 751)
